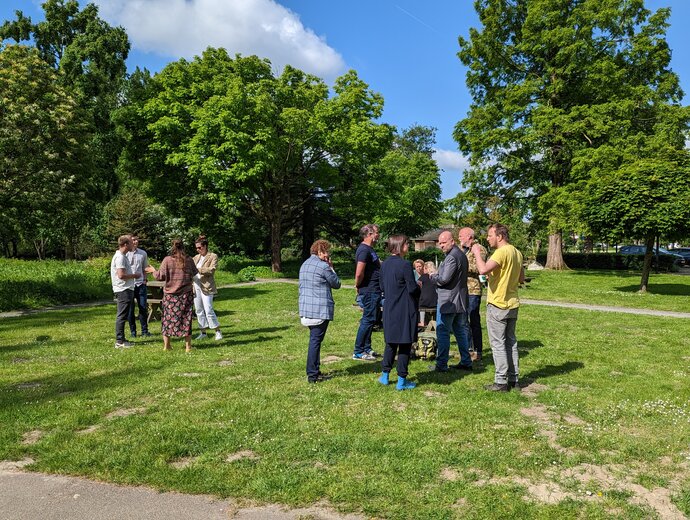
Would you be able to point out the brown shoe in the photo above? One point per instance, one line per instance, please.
(497, 388)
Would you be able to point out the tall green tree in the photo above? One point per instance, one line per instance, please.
(249, 143)
(551, 80)
(44, 163)
(407, 184)
(89, 56)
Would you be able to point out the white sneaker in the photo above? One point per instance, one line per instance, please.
(219, 335)
(201, 336)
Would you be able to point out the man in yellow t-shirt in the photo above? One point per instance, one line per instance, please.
(505, 274)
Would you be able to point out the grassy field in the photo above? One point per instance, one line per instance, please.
(669, 292)
(603, 430)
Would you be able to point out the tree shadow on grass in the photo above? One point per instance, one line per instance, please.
(240, 293)
(232, 342)
(56, 318)
(663, 289)
(553, 370)
(60, 386)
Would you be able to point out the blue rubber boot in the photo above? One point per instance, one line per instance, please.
(384, 378)
(404, 384)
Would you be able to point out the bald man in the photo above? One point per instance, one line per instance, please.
(451, 313)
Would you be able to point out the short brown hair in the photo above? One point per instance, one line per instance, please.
(395, 244)
(123, 240)
(320, 246)
(500, 231)
(201, 239)
(368, 229)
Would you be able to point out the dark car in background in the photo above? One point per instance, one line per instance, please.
(678, 259)
(682, 251)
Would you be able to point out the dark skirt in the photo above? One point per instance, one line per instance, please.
(177, 314)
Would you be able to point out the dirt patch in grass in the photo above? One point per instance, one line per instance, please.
(27, 386)
(31, 437)
(18, 360)
(225, 363)
(331, 359)
(539, 413)
(190, 374)
(244, 454)
(90, 429)
(449, 474)
(10, 465)
(531, 389)
(595, 481)
(183, 462)
(432, 393)
(399, 407)
(125, 412)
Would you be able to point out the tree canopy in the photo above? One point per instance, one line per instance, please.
(556, 86)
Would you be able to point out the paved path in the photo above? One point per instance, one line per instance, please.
(37, 496)
(526, 301)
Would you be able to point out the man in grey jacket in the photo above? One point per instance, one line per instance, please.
(451, 314)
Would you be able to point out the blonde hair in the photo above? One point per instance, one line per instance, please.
(430, 267)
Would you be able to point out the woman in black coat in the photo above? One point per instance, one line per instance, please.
(399, 310)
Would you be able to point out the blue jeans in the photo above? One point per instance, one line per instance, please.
(445, 323)
(476, 323)
(371, 301)
(140, 302)
(316, 335)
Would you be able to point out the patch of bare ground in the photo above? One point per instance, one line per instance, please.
(183, 462)
(31, 437)
(432, 393)
(603, 479)
(27, 386)
(531, 389)
(331, 359)
(449, 474)
(89, 429)
(539, 413)
(18, 360)
(570, 388)
(243, 454)
(278, 512)
(190, 374)
(10, 465)
(225, 363)
(399, 407)
(125, 412)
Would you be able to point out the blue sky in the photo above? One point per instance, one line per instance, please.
(405, 50)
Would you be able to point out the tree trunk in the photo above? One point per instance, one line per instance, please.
(647, 266)
(276, 262)
(554, 256)
(307, 227)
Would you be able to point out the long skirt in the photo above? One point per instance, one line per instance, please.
(177, 314)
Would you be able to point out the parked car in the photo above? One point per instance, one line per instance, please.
(640, 250)
(682, 251)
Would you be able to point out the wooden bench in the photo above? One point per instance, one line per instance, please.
(154, 297)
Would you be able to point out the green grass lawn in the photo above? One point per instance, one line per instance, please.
(604, 428)
(669, 292)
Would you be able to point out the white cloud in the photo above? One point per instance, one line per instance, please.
(450, 160)
(184, 28)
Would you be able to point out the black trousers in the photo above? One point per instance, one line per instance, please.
(124, 302)
(403, 350)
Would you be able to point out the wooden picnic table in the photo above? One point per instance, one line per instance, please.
(154, 297)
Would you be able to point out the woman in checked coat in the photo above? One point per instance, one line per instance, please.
(316, 306)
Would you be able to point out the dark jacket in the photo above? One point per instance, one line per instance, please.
(400, 314)
(451, 280)
(428, 298)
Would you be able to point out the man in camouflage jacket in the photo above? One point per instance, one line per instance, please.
(474, 290)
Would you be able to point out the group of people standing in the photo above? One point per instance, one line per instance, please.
(397, 286)
(189, 284)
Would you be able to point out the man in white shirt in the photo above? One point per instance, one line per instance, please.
(139, 260)
(122, 277)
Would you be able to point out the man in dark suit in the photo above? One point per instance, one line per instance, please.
(453, 305)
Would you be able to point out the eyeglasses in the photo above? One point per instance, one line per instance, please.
(199, 247)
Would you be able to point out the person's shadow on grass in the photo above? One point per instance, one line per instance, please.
(553, 370)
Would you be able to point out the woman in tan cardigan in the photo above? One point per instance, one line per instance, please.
(205, 288)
